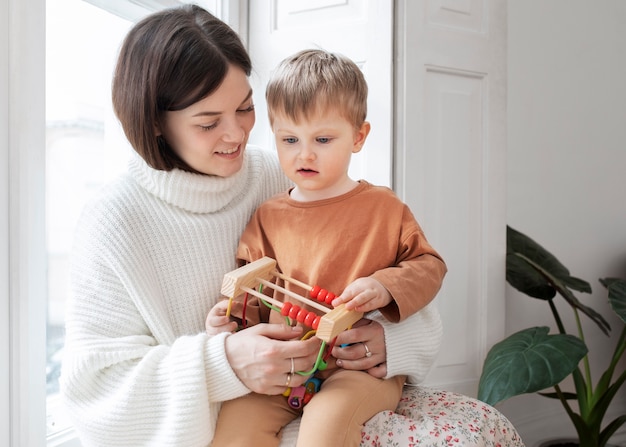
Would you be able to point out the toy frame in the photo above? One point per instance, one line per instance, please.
(261, 271)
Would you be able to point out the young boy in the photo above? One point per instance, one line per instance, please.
(347, 236)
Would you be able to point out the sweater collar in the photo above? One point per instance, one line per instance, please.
(192, 192)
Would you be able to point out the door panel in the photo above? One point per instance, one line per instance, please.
(450, 193)
(450, 165)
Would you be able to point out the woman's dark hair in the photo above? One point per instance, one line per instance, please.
(168, 61)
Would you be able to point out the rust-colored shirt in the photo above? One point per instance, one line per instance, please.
(368, 231)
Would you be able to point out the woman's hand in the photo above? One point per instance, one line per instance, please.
(265, 357)
(366, 336)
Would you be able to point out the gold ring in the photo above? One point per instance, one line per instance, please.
(288, 380)
(368, 354)
(293, 367)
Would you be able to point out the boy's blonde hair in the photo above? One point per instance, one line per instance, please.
(313, 81)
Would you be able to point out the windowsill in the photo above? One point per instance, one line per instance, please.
(59, 430)
(65, 438)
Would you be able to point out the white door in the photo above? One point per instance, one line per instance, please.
(359, 29)
(450, 165)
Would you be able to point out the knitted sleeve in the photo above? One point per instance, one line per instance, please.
(412, 344)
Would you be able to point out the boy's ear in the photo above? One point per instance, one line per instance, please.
(360, 136)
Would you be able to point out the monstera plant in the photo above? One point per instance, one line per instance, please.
(535, 360)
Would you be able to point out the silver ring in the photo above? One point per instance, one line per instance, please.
(293, 367)
(288, 380)
(368, 354)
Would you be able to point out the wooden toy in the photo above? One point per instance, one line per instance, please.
(327, 325)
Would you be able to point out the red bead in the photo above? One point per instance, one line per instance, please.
(284, 311)
(301, 315)
(309, 319)
(316, 322)
(293, 312)
(329, 298)
(321, 296)
(314, 291)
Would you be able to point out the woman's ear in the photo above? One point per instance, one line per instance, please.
(360, 136)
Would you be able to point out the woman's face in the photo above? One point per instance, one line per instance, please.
(211, 134)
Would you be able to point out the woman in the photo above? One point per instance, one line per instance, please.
(152, 248)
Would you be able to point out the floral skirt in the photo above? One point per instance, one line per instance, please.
(429, 417)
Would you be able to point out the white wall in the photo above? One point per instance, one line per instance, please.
(566, 174)
(5, 346)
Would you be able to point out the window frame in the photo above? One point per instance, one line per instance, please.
(22, 235)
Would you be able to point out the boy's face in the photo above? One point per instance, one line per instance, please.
(315, 153)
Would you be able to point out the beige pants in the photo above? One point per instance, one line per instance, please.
(333, 417)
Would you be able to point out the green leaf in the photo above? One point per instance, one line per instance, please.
(523, 277)
(528, 361)
(603, 402)
(606, 282)
(567, 294)
(519, 243)
(609, 430)
(566, 396)
(617, 297)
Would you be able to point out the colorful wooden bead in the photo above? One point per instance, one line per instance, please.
(309, 319)
(314, 291)
(329, 298)
(284, 311)
(302, 313)
(321, 295)
(293, 312)
(316, 322)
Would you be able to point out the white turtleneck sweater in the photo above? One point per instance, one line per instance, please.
(149, 256)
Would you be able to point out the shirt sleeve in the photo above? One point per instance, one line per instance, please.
(417, 276)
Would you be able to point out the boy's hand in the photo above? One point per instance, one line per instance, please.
(217, 321)
(364, 295)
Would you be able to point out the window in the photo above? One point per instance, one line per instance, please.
(85, 148)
